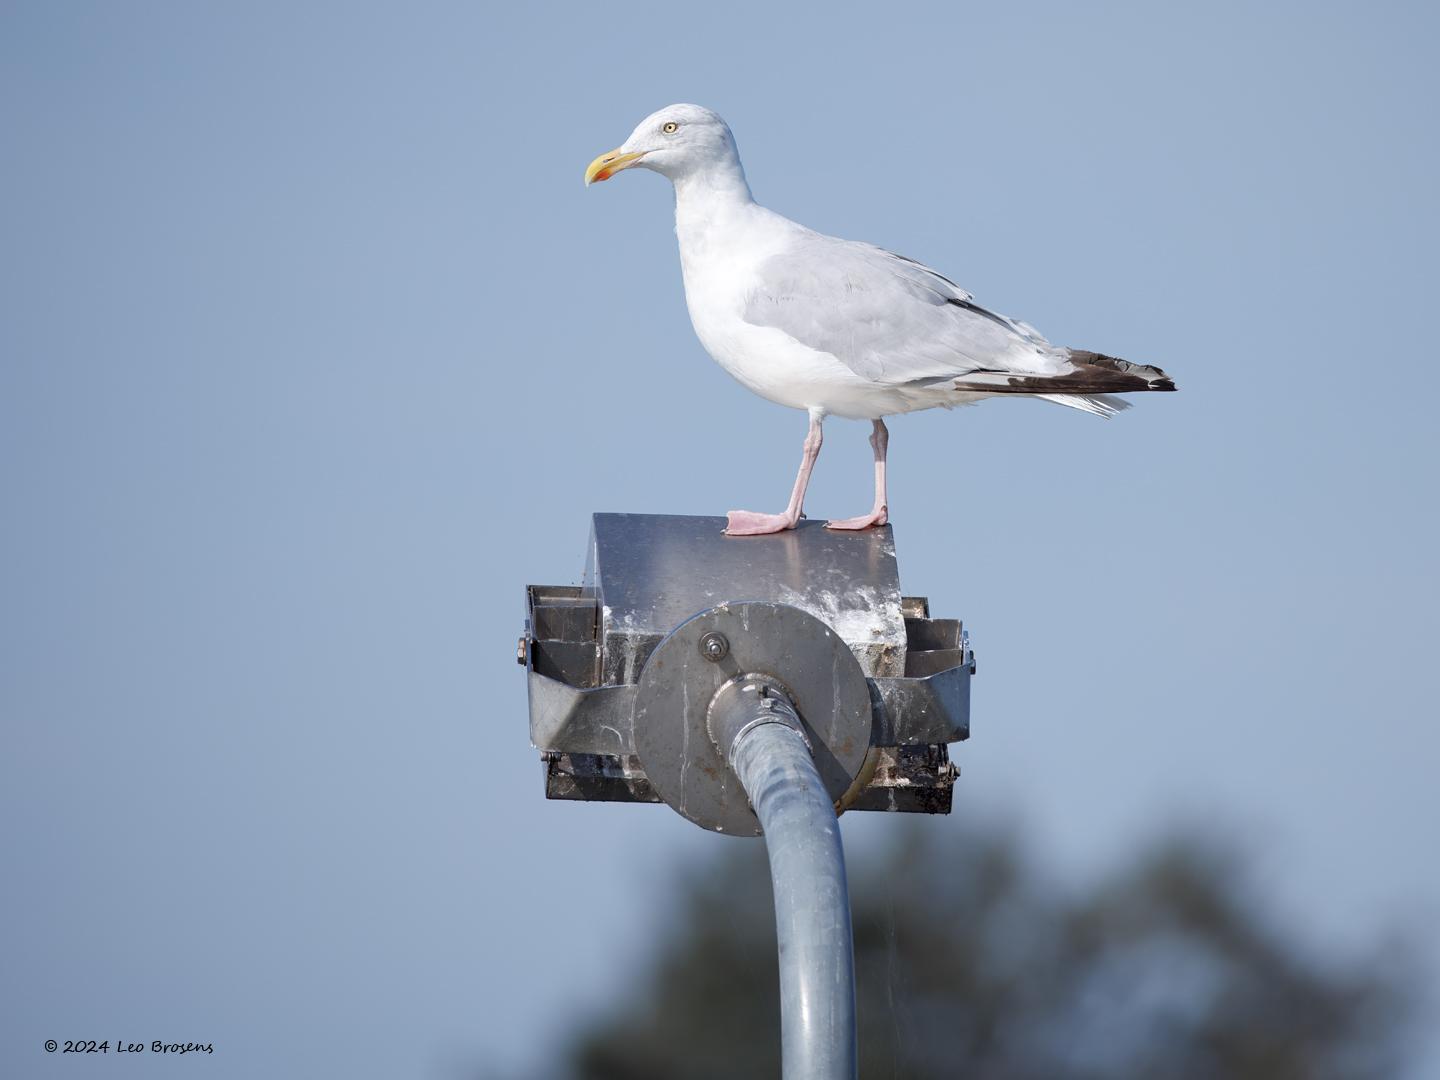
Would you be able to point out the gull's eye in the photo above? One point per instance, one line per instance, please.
(670, 128)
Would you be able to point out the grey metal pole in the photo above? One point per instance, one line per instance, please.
(812, 900)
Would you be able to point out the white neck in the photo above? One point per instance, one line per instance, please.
(705, 198)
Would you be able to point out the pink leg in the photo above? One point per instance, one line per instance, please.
(879, 442)
(749, 523)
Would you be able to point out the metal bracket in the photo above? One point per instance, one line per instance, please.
(587, 648)
(816, 671)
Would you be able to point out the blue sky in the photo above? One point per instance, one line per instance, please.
(314, 351)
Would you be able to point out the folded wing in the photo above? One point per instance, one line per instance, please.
(898, 323)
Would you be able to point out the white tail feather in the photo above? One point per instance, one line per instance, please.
(1102, 405)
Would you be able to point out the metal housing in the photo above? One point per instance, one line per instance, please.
(586, 650)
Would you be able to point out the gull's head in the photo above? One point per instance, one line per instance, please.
(678, 141)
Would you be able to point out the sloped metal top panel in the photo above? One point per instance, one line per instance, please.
(651, 572)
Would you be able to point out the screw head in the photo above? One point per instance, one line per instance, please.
(714, 647)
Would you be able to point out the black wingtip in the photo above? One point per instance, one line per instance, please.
(1155, 378)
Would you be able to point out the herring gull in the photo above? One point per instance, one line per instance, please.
(837, 327)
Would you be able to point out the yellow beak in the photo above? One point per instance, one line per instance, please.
(607, 165)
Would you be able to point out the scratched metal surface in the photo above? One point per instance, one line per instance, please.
(651, 572)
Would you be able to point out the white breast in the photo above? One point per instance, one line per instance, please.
(720, 260)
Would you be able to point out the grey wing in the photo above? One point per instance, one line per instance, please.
(887, 318)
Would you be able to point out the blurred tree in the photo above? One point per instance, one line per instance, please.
(971, 964)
